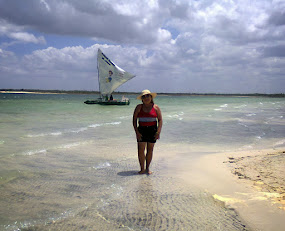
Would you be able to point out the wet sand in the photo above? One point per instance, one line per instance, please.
(76, 193)
(251, 182)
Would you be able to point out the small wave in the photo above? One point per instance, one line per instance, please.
(268, 120)
(94, 125)
(172, 116)
(251, 114)
(224, 105)
(44, 134)
(177, 116)
(82, 129)
(279, 143)
(241, 106)
(33, 152)
(260, 136)
(71, 145)
(125, 117)
(217, 109)
(114, 123)
(79, 130)
(36, 135)
(2, 142)
(242, 124)
(56, 133)
(43, 151)
(99, 125)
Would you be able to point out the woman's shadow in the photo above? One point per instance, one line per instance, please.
(128, 173)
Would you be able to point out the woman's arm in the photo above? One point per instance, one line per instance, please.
(135, 121)
(159, 119)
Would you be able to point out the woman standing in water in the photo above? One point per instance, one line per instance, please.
(149, 117)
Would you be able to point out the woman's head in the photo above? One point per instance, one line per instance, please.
(146, 96)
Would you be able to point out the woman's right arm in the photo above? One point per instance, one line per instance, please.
(135, 121)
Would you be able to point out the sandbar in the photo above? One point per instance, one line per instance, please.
(28, 92)
(251, 182)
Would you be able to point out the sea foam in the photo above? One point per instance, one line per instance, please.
(76, 130)
(34, 152)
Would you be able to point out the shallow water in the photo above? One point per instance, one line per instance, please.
(70, 166)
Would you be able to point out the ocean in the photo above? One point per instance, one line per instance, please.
(66, 165)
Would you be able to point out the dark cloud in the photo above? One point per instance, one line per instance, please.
(274, 51)
(277, 18)
(79, 18)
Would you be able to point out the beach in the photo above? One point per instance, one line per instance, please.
(70, 166)
(251, 182)
(265, 172)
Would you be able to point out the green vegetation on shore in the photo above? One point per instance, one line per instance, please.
(135, 93)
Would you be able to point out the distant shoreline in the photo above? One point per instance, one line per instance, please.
(36, 91)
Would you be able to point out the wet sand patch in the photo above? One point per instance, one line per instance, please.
(72, 195)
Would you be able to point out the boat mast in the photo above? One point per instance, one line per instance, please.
(98, 73)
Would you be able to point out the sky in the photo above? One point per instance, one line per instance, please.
(187, 46)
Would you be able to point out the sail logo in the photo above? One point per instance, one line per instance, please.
(108, 61)
(109, 78)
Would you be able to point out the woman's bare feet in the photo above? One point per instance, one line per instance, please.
(146, 171)
(142, 172)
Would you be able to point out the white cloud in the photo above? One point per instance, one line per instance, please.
(176, 45)
(16, 33)
(26, 37)
(46, 5)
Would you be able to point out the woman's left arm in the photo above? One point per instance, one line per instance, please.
(159, 119)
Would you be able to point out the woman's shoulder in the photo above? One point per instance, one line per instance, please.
(139, 106)
(156, 106)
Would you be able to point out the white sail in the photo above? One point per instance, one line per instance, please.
(110, 75)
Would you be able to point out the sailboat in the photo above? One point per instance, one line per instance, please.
(110, 77)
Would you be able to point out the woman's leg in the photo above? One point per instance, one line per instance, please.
(149, 153)
(141, 155)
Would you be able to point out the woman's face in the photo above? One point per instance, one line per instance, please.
(146, 99)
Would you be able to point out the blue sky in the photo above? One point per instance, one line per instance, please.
(170, 45)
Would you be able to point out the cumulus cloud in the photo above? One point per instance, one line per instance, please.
(17, 34)
(176, 45)
(26, 37)
(112, 20)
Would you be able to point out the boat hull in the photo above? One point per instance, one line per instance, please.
(100, 102)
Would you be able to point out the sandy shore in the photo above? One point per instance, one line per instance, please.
(265, 172)
(251, 182)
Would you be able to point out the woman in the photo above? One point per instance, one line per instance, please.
(149, 117)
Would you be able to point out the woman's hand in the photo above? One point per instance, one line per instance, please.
(157, 136)
(139, 136)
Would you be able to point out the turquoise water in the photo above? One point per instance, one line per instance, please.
(61, 158)
(37, 123)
